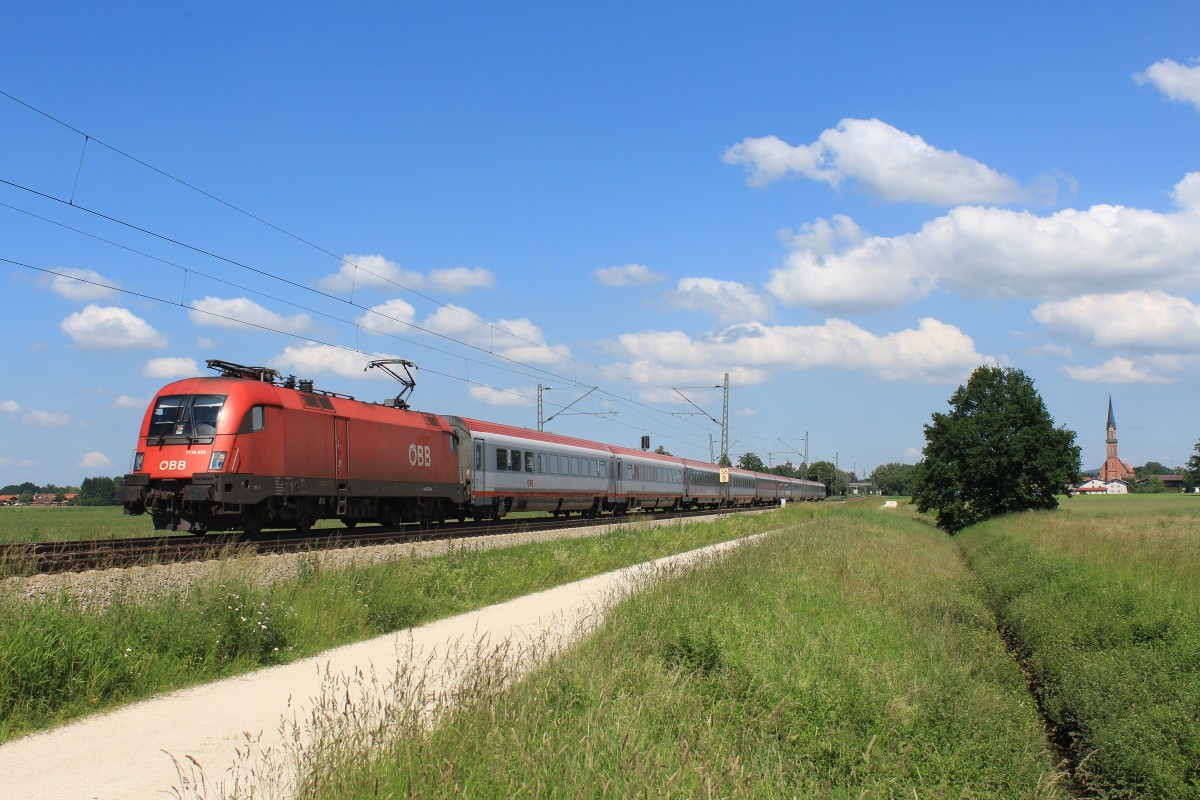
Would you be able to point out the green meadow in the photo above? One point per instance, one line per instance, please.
(852, 652)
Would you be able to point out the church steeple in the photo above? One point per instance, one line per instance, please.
(1114, 467)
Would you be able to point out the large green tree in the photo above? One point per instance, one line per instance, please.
(837, 482)
(893, 478)
(1192, 470)
(752, 462)
(100, 491)
(997, 451)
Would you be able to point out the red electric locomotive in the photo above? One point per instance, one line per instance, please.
(248, 450)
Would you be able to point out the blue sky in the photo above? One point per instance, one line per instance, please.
(846, 208)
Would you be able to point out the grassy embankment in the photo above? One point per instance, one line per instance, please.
(60, 661)
(64, 523)
(850, 655)
(1102, 599)
(59, 523)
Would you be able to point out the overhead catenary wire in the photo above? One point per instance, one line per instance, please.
(490, 351)
(266, 273)
(296, 237)
(291, 334)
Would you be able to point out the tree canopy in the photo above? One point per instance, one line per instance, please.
(893, 478)
(997, 451)
(752, 462)
(1192, 470)
(100, 491)
(837, 482)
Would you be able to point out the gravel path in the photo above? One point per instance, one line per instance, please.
(133, 752)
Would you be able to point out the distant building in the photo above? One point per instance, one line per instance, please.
(1172, 483)
(1114, 468)
(1093, 486)
(1097, 486)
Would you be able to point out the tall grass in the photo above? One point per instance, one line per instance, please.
(1104, 604)
(68, 523)
(61, 660)
(848, 655)
(58, 523)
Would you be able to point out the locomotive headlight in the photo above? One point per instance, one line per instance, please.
(137, 462)
(217, 461)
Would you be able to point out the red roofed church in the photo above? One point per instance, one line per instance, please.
(1114, 468)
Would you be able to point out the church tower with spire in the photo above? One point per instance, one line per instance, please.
(1114, 468)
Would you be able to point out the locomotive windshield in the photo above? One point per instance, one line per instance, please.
(186, 415)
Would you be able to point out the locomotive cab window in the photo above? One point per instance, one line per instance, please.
(187, 416)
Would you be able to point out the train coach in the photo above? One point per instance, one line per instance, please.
(247, 450)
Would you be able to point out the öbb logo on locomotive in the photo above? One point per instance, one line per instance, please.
(283, 454)
(419, 456)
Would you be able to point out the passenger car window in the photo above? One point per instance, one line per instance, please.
(516, 460)
(529, 461)
(501, 458)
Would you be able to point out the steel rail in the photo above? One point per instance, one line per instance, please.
(28, 558)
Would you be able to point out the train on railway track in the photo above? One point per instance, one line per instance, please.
(250, 449)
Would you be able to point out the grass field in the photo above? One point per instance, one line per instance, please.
(58, 523)
(850, 655)
(61, 661)
(63, 523)
(1103, 601)
(857, 653)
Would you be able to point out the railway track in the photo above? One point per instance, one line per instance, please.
(80, 555)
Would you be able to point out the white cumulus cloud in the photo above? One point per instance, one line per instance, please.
(46, 419)
(74, 283)
(376, 271)
(1151, 321)
(1117, 370)
(1176, 81)
(457, 280)
(312, 360)
(501, 397)
(129, 401)
(518, 339)
(728, 301)
(884, 161)
(933, 352)
(168, 368)
(110, 328)
(242, 313)
(9, 461)
(993, 252)
(10, 407)
(94, 460)
(394, 316)
(627, 275)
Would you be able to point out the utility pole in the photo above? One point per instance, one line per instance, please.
(725, 422)
(542, 422)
